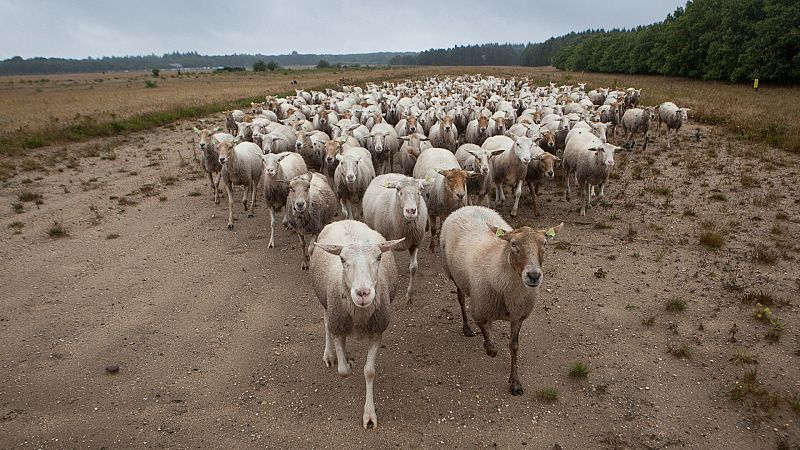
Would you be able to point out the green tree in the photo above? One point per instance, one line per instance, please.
(156, 72)
(260, 66)
(272, 66)
(322, 64)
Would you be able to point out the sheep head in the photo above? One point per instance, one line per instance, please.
(360, 267)
(525, 249)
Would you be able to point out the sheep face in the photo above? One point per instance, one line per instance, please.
(244, 131)
(500, 125)
(332, 148)
(323, 117)
(548, 164)
(225, 149)
(455, 185)
(605, 155)
(408, 194)
(523, 149)
(599, 130)
(360, 264)
(525, 250)
(272, 163)
(378, 141)
(268, 142)
(301, 136)
(445, 123)
(548, 141)
(411, 124)
(299, 193)
(350, 165)
(483, 124)
(205, 138)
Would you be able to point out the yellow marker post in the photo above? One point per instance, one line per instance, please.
(755, 85)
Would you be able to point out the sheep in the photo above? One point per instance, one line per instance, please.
(383, 144)
(278, 170)
(511, 166)
(539, 169)
(356, 283)
(311, 145)
(208, 147)
(499, 269)
(324, 119)
(412, 146)
(637, 120)
(332, 148)
(351, 178)
(241, 165)
(478, 130)
(230, 123)
(444, 133)
(591, 161)
(310, 205)
(281, 140)
(407, 126)
(473, 158)
(394, 207)
(447, 189)
(672, 116)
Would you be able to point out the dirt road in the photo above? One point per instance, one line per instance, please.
(219, 340)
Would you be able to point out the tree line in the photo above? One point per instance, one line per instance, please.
(733, 40)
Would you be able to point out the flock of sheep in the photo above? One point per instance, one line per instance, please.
(399, 160)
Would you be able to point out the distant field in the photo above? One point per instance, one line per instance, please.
(43, 110)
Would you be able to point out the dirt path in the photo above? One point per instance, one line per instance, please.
(219, 340)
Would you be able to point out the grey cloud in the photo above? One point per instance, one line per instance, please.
(98, 28)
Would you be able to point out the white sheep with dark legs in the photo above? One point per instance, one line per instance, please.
(241, 166)
(394, 207)
(351, 178)
(310, 204)
(355, 279)
(278, 170)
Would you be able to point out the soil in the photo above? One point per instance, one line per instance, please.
(152, 325)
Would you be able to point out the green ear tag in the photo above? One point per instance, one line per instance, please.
(551, 232)
(499, 232)
(386, 185)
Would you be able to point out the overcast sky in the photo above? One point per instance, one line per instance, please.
(81, 28)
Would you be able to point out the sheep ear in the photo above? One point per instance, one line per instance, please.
(439, 171)
(333, 249)
(496, 152)
(474, 153)
(552, 231)
(499, 232)
(389, 245)
(339, 157)
(404, 138)
(424, 138)
(283, 155)
(195, 130)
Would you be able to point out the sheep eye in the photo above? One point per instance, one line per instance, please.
(379, 257)
(513, 244)
(342, 259)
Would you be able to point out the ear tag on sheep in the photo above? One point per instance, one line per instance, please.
(550, 232)
(499, 232)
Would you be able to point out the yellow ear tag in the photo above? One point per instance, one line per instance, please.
(551, 232)
(499, 232)
(386, 185)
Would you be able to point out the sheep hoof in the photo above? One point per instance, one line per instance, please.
(468, 332)
(328, 359)
(516, 389)
(304, 266)
(230, 226)
(271, 244)
(370, 420)
(490, 349)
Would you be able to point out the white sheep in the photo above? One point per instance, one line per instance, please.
(210, 161)
(394, 207)
(477, 160)
(355, 279)
(351, 178)
(413, 145)
(478, 130)
(310, 205)
(672, 116)
(511, 166)
(446, 190)
(241, 166)
(591, 161)
(278, 170)
(311, 145)
(637, 120)
(444, 133)
(383, 144)
(498, 268)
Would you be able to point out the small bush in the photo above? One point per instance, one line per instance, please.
(765, 255)
(547, 395)
(675, 304)
(18, 207)
(28, 196)
(680, 351)
(168, 180)
(712, 239)
(156, 72)
(579, 370)
(742, 357)
(112, 236)
(57, 230)
(195, 194)
(150, 84)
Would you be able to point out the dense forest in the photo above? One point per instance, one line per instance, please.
(20, 66)
(732, 40)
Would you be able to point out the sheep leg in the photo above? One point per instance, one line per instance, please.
(370, 418)
(344, 208)
(434, 234)
(513, 346)
(303, 266)
(328, 357)
(566, 178)
(229, 192)
(252, 200)
(245, 195)
(271, 228)
(211, 181)
(412, 271)
(584, 196)
(646, 140)
(465, 328)
(216, 189)
(488, 342)
(345, 366)
(517, 195)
